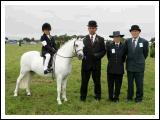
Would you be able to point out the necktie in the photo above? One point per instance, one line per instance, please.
(117, 46)
(133, 44)
(91, 39)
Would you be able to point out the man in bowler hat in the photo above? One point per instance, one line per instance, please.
(94, 50)
(115, 68)
(137, 52)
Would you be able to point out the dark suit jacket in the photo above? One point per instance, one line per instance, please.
(136, 59)
(115, 59)
(93, 53)
(50, 47)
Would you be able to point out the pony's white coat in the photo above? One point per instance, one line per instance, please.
(32, 61)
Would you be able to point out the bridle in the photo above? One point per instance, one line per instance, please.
(75, 54)
(75, 51)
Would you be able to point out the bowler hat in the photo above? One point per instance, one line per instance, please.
(135, 27)
(116, 34)
(92, 23)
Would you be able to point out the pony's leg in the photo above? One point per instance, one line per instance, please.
(28, 86)
(64, 84)
(59, 82)
(28, 92)
(17, 83)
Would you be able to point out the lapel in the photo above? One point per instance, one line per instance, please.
(46, 37)
(49, 41)
(130, 42)
(87, 41)
(120, 45)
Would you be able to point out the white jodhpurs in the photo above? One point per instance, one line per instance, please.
(48, 56)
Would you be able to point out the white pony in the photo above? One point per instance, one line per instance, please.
(32, 61)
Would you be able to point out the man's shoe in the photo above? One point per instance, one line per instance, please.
(98, 99)
(110, 99)
(83, 99)
(138, 100)
(129, 99)
(116, 100)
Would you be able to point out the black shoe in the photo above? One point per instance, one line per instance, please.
(83, 99)
(97, 99)
(138, 100)
(116, 100)
(110, 99)
(46, 72)
(49, 69)
(129, 99)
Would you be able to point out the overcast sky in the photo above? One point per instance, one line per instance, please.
(26, 21)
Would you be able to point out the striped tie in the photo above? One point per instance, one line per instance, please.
(91, 39)
(133, 44)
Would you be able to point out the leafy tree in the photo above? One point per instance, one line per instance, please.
(152, 48)
(27, 39)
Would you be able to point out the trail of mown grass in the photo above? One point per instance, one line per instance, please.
(43, 99)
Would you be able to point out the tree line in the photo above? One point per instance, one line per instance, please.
(61, 39)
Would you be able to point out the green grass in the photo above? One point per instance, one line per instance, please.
(43, 99)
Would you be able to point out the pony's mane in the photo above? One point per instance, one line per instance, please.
(65, 45)
(67, 42)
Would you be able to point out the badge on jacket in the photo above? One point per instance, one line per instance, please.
(113, 51)
(140, 44)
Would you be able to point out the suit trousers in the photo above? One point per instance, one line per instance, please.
(85, 74)
(138, 76)
(114, 85)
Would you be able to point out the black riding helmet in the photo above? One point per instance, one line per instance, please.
(46, 26)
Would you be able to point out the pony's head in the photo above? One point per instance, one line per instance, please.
(78, 48)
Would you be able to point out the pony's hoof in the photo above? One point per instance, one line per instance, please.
(28, 94)
(15, 95)
(59, 103)
(65, 100)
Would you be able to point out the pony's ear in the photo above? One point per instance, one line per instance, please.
(79, 38)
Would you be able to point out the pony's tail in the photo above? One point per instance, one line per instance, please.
(25, 82)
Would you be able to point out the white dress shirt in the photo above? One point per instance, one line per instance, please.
(49, 36)
(117, 43)
(94, 36)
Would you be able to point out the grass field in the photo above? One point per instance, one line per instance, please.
(43, 99)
